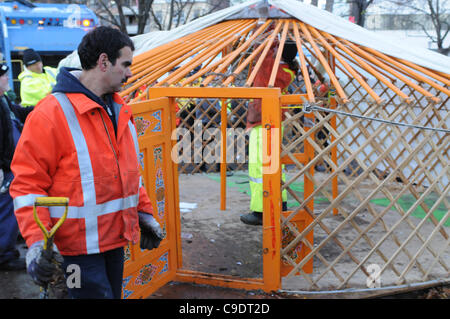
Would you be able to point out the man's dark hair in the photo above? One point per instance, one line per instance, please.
(102, 40)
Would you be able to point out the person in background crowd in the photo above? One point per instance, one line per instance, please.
(36, 81)
(12, 117)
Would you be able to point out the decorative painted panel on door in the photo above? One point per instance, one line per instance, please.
(146, 271)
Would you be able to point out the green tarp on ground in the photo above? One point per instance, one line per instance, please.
(239, 181)
(407, 201)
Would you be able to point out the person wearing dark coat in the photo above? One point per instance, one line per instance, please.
(12, 117)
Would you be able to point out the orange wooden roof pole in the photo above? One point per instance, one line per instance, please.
(155, 63)
(155, 56)
(163, 66)
(382, 72)
(411, 73)
(205, 69)
(214, 50)
(272, 37)
(338, 66)
(397, 69)
(163, 48)
(223, 64)
(305, 73)
(153, 76)
(355, 66)
(318, 73)
(433, 74)
(358, 78)
(325, 64)
(276, 64)
(207, 48)
(387, 68)
(177, 49)
(249, 59)
(445, 75)
(233, 55)
(366, 66)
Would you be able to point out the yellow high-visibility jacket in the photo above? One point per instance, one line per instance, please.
(35, 86)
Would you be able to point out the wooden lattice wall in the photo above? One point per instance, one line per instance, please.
(393, 195)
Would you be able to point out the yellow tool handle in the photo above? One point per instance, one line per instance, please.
(48, 235)
(50, 201)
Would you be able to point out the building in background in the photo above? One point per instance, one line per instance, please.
(410, 21)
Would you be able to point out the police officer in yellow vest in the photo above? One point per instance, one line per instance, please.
(285, 76)
(36, 81)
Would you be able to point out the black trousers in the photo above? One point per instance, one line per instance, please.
(101, 275)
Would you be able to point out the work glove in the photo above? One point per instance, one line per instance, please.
(43, 266)
(151, 232)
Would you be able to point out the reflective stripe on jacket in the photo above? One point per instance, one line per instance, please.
(35, 86)
(68, 148)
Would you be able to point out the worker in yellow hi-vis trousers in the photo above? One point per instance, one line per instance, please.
(285, 76)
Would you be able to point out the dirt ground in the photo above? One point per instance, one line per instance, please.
(216, 241)
(17, 284)
(213, 241)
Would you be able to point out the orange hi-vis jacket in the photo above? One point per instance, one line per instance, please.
(68, 148)
(283, 79)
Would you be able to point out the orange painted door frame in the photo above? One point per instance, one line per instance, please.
(271, 120)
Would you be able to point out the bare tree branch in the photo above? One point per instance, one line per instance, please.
(110, 16)
(143, 14)
(172, 5)
(156, 20)
(432, 10)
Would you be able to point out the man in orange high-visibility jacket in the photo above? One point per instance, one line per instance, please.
(80, 142)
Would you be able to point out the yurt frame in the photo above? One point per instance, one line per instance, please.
(387, 142)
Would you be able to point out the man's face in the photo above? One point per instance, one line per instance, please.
(4, 83)
(36, 67)
(119, 73)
